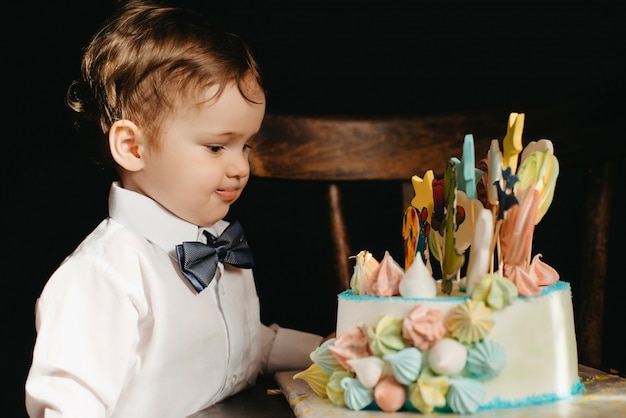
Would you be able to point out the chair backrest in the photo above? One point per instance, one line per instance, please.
(351, 148)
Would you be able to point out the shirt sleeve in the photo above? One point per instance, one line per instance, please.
(287, 349)
(86, 338)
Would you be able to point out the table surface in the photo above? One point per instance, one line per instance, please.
(283, 397)
(264, 400)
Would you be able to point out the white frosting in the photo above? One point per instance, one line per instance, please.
(418, 281)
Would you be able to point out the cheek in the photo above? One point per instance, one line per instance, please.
(200, 174)
(187, 169)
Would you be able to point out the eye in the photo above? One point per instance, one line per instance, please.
(215, 148)
(247, 147)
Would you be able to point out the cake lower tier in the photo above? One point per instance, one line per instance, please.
(536, 334)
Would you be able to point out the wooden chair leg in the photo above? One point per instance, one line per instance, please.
(342, 253)
(597, 221)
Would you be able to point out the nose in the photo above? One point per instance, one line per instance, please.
(238, 165)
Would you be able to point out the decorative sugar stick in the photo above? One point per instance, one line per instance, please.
(452, 259)
(481, 253)
(467, 175)
(495, 243)
(512, 142)
(494, 175)
(423, 188)
(410, 230)
(494, 172)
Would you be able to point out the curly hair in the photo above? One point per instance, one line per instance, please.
(145, 60)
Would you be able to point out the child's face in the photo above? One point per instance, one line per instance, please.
(201, 165)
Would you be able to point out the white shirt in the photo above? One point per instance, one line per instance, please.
(122, 333)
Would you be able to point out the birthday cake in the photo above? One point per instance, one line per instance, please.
(494, 330)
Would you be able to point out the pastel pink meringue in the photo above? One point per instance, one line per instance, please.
(385, 280)
(423, 326)
(389, 394)
(354, 344)
(545, 274)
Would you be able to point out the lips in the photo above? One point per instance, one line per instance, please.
(227, 195)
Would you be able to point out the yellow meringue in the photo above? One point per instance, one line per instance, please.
(470, 321)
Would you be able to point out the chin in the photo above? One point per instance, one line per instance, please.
(208, 221)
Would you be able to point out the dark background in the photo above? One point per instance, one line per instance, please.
(344, 58)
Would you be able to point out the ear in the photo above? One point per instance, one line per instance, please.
(126, 142)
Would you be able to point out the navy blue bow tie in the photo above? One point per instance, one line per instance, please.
(198, 261)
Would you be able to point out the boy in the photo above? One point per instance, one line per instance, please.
(136, 322)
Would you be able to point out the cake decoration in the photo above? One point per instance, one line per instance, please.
(465, 395)
(369, 370)
(317, 378)
(452, 258)
(481, 255)
(334, 390)
(389, 395)
(422, 327)
(486, 360)
(351, 345)
(470, 321)
(364, 268)
(385, 280)
(495, 291)
(406, 364)
(407, 341)
(356, 395)
(385, 336)
(417, 281)
(512, 141)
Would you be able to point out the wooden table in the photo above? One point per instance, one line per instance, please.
(604, 396)
(265, 400)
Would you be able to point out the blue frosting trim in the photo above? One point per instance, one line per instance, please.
(500, 404)
(534, 399)
(349, 296)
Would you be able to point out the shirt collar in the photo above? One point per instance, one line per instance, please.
(151, 220)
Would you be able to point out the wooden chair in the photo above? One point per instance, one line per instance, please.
(337, 149)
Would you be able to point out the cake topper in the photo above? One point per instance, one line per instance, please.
(489, 212)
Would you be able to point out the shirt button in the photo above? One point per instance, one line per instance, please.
(232, 380)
